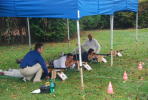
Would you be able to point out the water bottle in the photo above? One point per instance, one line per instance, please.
(52, 86)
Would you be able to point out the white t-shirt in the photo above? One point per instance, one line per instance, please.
(60, 63)
(92, 44)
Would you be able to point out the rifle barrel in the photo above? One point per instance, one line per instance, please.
(104, 54)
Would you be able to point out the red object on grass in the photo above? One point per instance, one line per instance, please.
(125, 77)
(110, 89)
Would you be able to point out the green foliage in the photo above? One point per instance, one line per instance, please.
(48, 30)
(124, 20)
(143, 14)
(90, 22)
(37, 33)
(95, 22)
(72, 28)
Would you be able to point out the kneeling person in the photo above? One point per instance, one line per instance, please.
(33, 64)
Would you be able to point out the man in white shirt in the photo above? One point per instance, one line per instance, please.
(92, 43)
(66, 61)
(63, 62)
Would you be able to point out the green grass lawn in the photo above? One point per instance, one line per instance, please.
(96, 81)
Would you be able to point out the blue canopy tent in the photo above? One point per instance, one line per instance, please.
(70, 9)
(65, 8)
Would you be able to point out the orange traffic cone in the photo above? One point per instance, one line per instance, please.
(110, 89)
(140, 66)
(125, 77)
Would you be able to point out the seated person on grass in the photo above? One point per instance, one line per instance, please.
(33, 64)
(91, 43)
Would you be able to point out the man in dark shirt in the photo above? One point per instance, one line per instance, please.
(33, 64)
(86, 56)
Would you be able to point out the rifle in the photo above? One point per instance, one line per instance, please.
(117, 52)
(104, 54)
(101, 57)
(120, 50)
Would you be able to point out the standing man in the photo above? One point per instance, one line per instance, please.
(33, 64)
(92, 43)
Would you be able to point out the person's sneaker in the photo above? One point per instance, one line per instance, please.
(24, 79)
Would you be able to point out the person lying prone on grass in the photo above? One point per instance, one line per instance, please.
(63, 62)
(90, 56)
(60, 64)
(86, 56)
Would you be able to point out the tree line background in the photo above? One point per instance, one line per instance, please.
(14, 30)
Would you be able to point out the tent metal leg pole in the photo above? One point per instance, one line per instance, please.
(80, 56)
(68, 32)
(137, 26)
(111, 36)
(29, 36)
